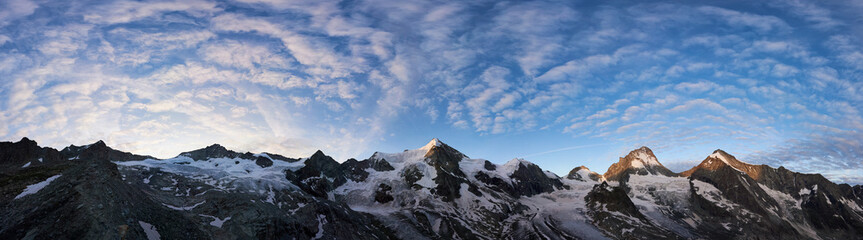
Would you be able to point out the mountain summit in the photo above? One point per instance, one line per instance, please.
(639, 161)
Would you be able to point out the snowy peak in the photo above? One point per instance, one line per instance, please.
(436, 148)
(642, 157)
(640, 161)
(582, 173)
(431, 144)
(514, 164)
(719, 159)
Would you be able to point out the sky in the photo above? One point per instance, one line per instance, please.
(558, 83)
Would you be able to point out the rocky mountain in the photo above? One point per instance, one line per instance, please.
(639, 162)
(433, 192)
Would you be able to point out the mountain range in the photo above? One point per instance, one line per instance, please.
(433, 192)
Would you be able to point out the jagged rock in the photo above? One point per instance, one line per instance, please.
(489, 166)
(320, 175)
(263, 162)
(213, 151)
(15, 156)
(528, 180)
(382, 194)
(356, 170)
(411, 175)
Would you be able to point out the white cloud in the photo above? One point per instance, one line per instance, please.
(695, 87)
(576, 69)
(128, 11)
(760, 23)
(11, 10)
(536, 26)
(317, 55)
(821, 18)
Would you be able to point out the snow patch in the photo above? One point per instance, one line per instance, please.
(721, 157)
(321, 221)
(550, 174)
(217, 222)
(185, 208)
(807, 191)
(223, 173)
(26, 165)
(150, 230)
(31, 189)
(851, 204)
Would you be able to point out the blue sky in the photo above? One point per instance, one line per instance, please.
(559, 83)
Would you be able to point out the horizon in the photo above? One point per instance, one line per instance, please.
(497, 162)
(560, 84)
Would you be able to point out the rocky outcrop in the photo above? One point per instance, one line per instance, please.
(528, 180)
(320, 175)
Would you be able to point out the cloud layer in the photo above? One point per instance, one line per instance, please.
(777, 83)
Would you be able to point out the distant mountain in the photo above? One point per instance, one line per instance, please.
(433, 192)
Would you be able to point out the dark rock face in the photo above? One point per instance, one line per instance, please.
(354, 170)
(320, 175)
(489, 166)
(748, 186)
(263, 162)
(212, 151)
(93, 201)
(449, 178)
(605, 201)
(496, 183)
(357, 170)
(17, 154)
(530, 180)
(411, 175)
(382, 194)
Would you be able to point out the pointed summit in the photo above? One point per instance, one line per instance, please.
(216, 146)
(640, 161)
(319, 155)
(98, 144)
(720, 159)
(212, 151)
(26, 140)
(432, 144)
